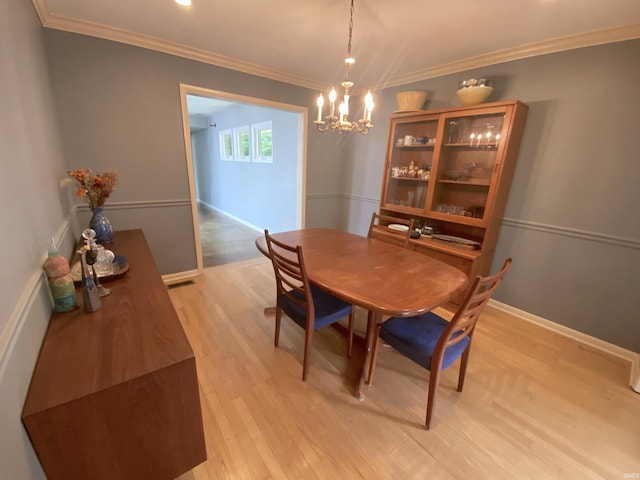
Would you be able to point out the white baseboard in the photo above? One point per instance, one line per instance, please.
(595, 343)
(173, 278)
(232, 217)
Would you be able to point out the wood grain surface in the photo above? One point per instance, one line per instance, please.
(373, 274)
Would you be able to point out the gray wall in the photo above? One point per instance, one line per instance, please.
(262, 194)
(32, 207)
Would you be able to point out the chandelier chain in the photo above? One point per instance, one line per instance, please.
(350, 31)
(350, 35)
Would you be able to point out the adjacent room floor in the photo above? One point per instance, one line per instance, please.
(224, 240)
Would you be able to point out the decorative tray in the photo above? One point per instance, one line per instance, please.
(458, 241)
(120, 267)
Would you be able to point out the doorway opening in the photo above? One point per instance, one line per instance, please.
(236, 188)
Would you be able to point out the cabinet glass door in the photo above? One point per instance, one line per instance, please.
(411, 156)
(466, 166)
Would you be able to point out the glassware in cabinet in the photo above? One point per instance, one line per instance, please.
(466, 164)
(409, 162)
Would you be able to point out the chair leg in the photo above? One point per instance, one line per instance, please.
(308, 337)
(276, 339)
(463, 367)
(434, 379)
(350, 344)
(374, 353)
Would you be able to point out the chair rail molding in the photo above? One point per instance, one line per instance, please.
(37, 281)
(181, 202)
(574, 233)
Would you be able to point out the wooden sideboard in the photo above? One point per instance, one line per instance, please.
(114, 394)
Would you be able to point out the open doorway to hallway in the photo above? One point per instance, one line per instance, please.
(236, 194)
(223, 239)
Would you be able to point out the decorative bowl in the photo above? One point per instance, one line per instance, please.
(475, 82)
(473, 95)
(410, 101)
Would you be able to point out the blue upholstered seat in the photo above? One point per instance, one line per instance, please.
(416, 338)
(328, 308)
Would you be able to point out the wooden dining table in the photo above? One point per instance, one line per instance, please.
(382, 278)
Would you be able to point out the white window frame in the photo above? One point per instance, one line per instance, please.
(256, 128)
(238, 133)
(224, 155)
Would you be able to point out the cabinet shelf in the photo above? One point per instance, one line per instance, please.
(459, 219)
(477, 183)
(410, 179)
(430, 243)
(467, 146)
(417, 145)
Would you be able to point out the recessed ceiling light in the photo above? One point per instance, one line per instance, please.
(184, 3)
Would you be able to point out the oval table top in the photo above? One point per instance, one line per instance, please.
(372, 274)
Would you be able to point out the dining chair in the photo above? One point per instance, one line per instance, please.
(435, 343)
(379, 229)
(307, 305)
(397, 234)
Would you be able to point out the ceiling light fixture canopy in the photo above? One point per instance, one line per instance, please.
(341, 123)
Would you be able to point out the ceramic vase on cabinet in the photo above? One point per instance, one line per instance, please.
(101, 225)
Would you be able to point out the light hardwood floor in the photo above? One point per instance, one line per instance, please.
(535, 404)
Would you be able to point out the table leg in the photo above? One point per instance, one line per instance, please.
(372, 319)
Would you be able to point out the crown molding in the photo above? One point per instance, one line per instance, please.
(93, 29)
(555, 45)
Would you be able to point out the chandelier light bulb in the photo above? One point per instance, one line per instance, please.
(368, 106)
(320, 104)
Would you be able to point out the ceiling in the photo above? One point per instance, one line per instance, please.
(304, 42)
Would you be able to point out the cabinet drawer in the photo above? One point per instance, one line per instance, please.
(460, 263)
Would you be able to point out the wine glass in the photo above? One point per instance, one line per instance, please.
(454, 131)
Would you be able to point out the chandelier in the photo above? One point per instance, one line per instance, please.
(341, 123)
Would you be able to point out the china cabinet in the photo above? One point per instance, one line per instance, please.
(450, 170)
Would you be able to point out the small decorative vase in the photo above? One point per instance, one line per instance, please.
(101, 225)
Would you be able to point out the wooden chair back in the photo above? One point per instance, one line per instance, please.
(379, 229)
(290, 273)
(464, 320)
(300, 300)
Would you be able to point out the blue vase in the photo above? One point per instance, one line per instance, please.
(101, 225)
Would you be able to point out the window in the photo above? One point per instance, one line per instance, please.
(226, 145)
(262, 142)
(242, 144)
